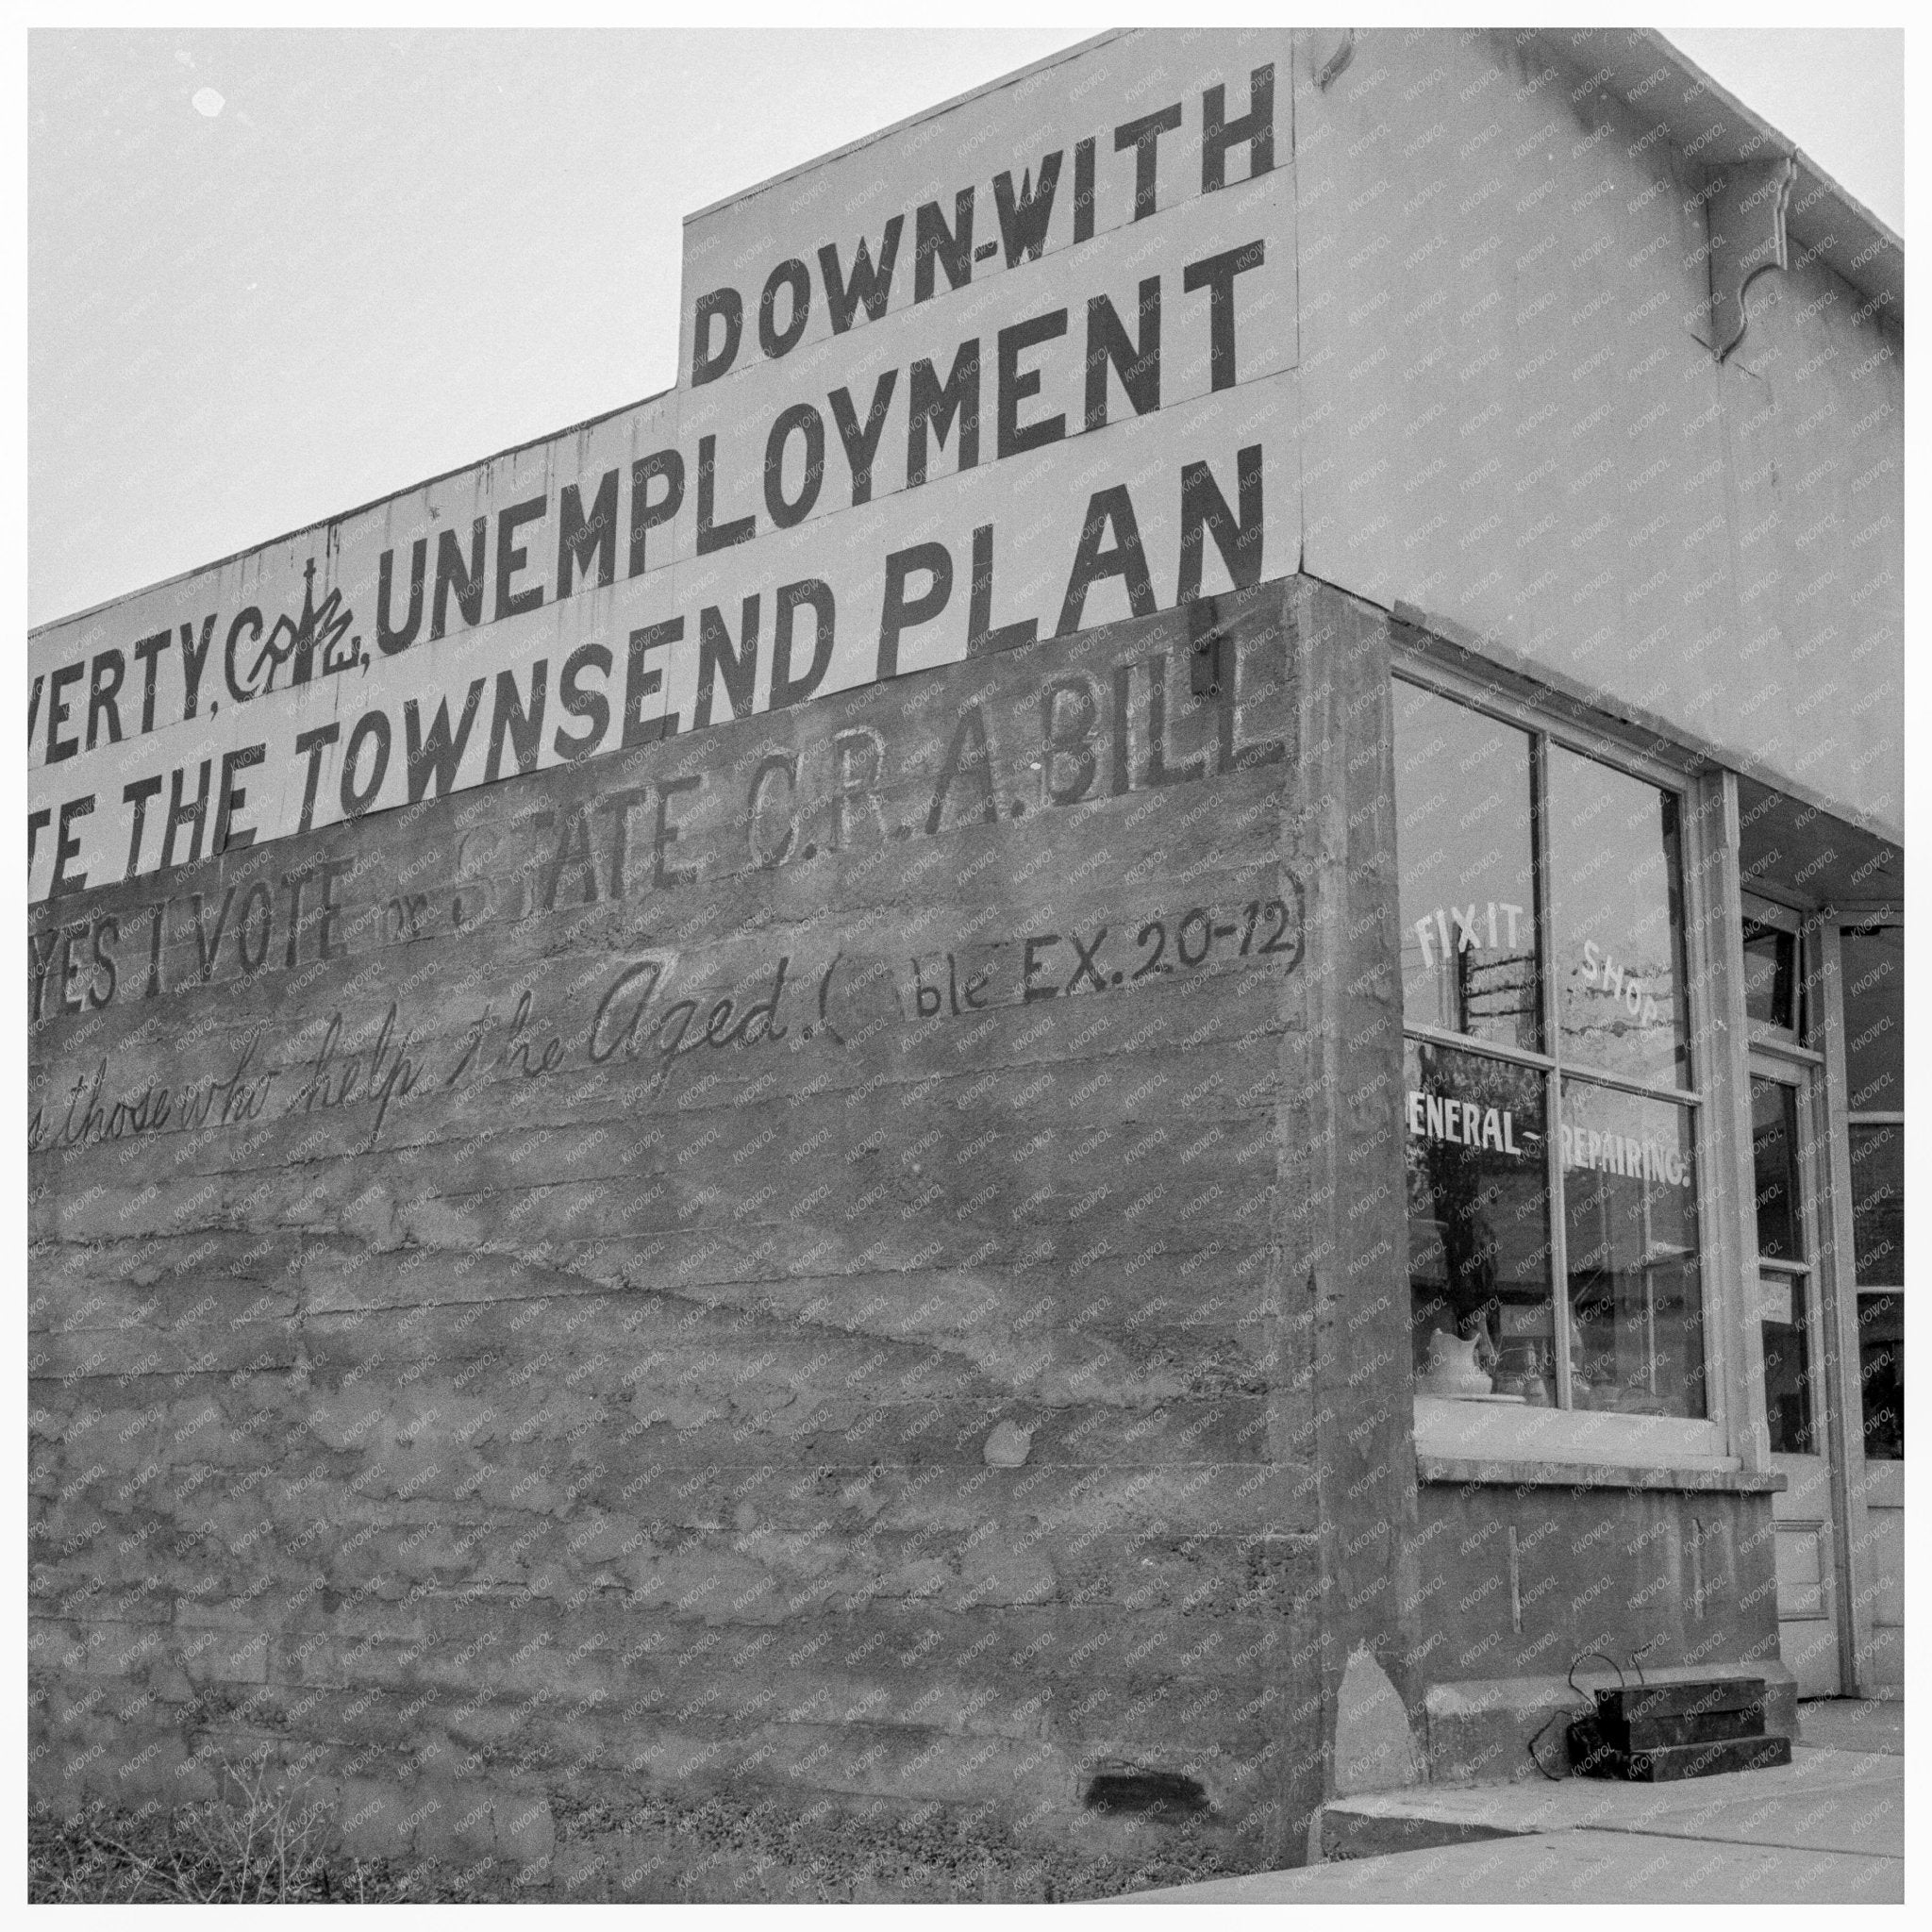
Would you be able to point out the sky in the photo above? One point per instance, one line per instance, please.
(273, 276)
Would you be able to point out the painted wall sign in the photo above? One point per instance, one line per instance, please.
(1624, 1155)
(1613, 977)
(1472, 928)
(1434, 1117)
(966, 417)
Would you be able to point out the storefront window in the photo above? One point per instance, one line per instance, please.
(1466, 855)
(1480, 1224)
(1785, 1278)
(1872, 985)
(1771, 976)
(1878, 1200)
(1775, 1170)
(1614, 895)
(1882, 1374)
(1542, 909)
(1630, 1240)
(1785, 1321)
(1872, 971)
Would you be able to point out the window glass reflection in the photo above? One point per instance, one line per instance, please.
(1775, 1170)
(1871, 974)
(1462, 790)
(1771, 975)
(1882, 1371)
(1478, 1226)
(1500, 888)
(1616, 900)
(1630, 1231)
(1878, 1203)
(1788, 1389)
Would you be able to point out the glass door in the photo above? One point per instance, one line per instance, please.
(1797, 1360)
(1870, 979)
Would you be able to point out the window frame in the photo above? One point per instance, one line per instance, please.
(1563, 1442)
(1798, 1042)
(1792, 1070)
(1844, 1122)
(1866, 1484)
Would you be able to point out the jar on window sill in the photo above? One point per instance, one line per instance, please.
(1452, 1369)
(1520, 1371)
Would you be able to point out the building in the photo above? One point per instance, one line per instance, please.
(1097, 1046)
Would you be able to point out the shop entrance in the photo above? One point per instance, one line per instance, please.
(1867, 969)
(1824, 1002)
(1799, 1365)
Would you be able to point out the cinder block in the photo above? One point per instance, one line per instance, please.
(370, 1812)
(583, 1869)
(150, 1765)
(525, 1829)
(468, 1818)
(236, 1657)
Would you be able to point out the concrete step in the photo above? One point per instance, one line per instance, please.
(1822, 1800)
(1659, 1733)
(1363, 1828)
(1667, 1763)
(1495, 1731)
(1703, 1727)
(1680, 1697)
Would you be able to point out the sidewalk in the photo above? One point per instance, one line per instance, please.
(1829, 1827)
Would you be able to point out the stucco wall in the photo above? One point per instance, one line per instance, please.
(1523, 1581)
(1512, 420)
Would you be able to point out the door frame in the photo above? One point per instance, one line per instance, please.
(1850, 1458)
(1814, 1470)
(1825, 1168)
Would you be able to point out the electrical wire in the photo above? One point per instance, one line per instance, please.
(1563, 1716)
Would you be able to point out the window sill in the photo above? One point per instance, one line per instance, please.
(1652, 1451)
(1459, 1470)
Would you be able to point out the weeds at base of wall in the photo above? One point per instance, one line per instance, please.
(740, 1846)
(261, 1843)
(277, 1845)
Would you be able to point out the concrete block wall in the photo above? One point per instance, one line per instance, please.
(750, 1317)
